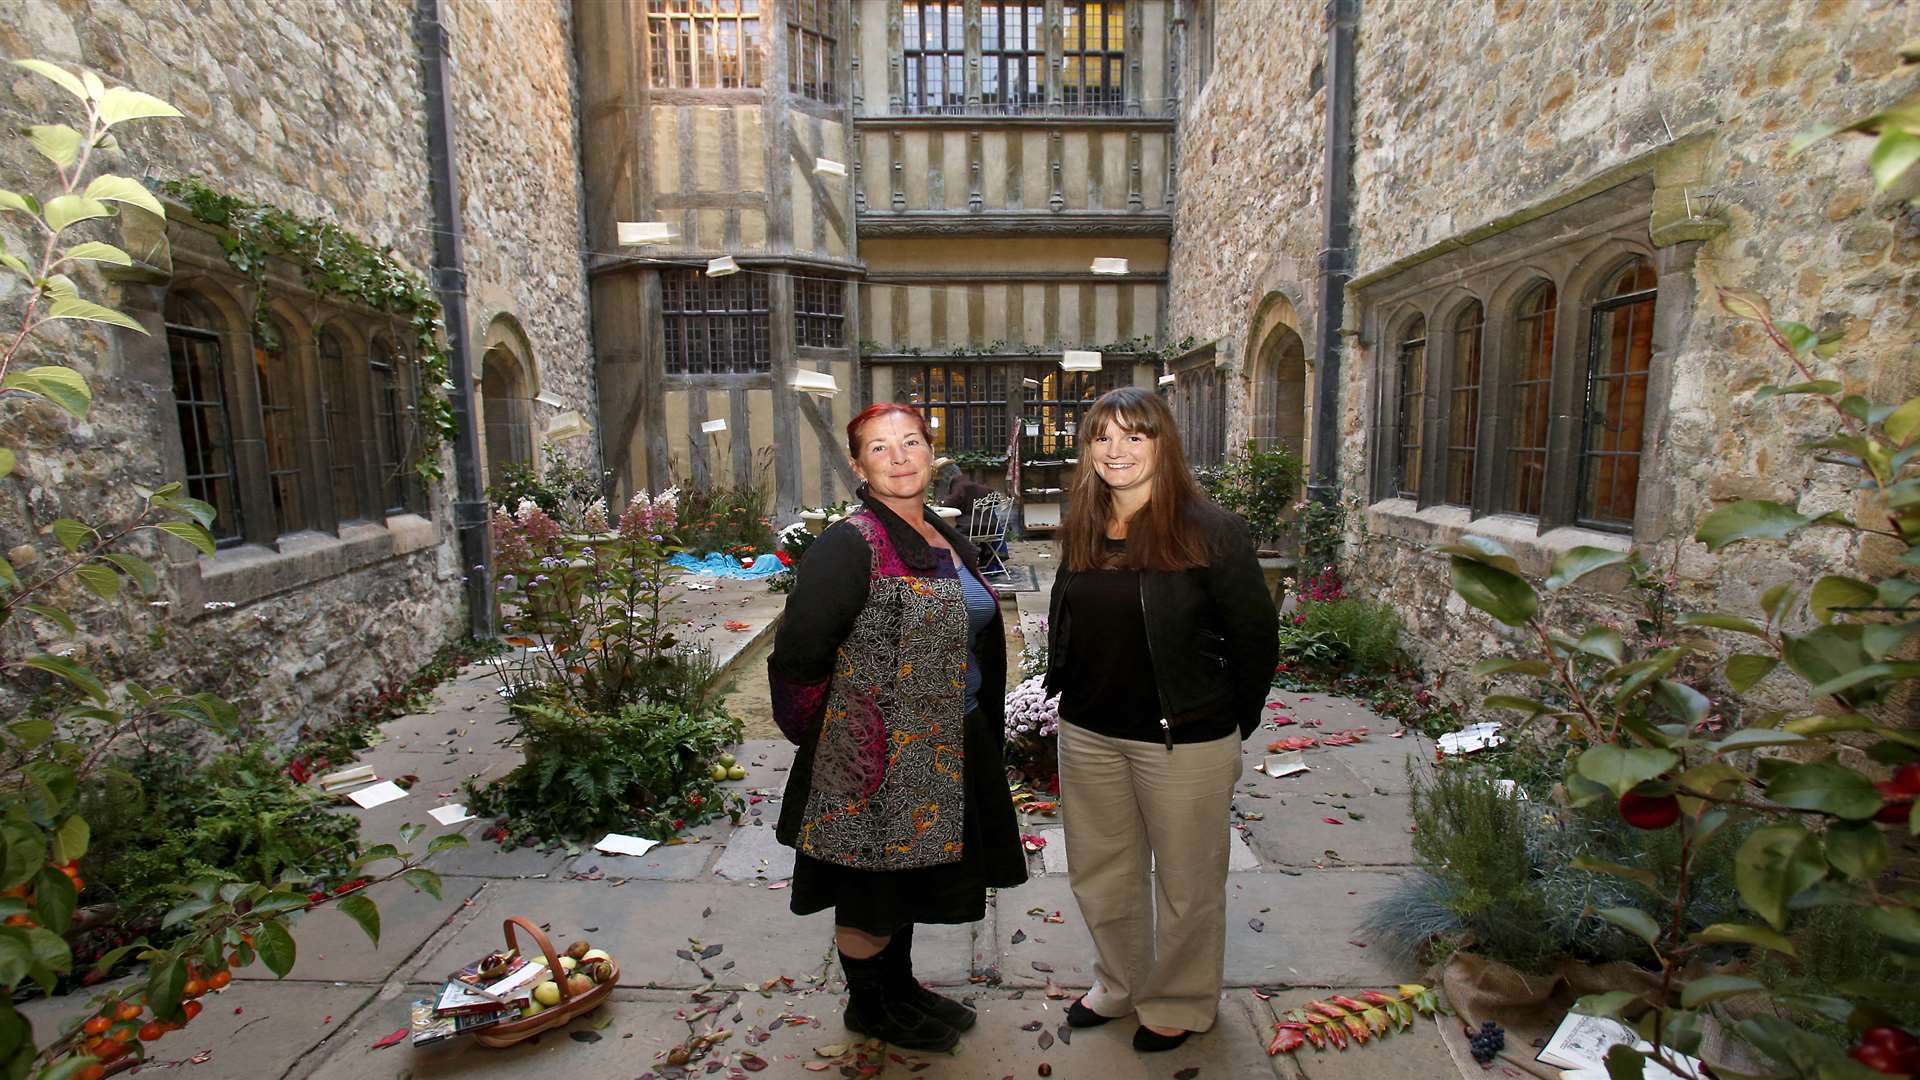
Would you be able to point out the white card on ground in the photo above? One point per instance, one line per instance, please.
(378, 795)
(450, 814)
(621, 844)
(1286, 763)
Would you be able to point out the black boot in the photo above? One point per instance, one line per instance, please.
(900, 981)
(876, 1011)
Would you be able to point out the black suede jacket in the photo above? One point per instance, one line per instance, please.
(1212, 631)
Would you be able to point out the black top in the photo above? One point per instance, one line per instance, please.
(1108, 685)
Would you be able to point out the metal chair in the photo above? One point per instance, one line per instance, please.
(987, 531)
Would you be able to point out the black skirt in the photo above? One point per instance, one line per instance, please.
(881, 902)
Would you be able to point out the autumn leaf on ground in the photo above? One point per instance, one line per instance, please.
(390, 1040)
(1292, 742)
(736, 625)
(1332, 821)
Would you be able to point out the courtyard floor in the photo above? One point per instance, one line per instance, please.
(1310, 852)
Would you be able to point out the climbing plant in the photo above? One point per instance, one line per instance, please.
(335, 262)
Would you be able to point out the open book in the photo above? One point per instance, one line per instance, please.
(1579, 1048)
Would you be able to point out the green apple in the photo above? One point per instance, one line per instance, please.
(718, 772)
(547, 993)
(727, 760)
(534, 1008)
(568, 963)
(737, 772)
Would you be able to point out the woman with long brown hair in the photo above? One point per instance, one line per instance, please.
(1162, 640)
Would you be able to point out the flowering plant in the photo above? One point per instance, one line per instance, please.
(1033, 721)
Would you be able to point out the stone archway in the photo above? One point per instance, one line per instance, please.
(1279, 378)
(506, 409)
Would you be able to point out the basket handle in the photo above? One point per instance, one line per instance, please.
(546, 946)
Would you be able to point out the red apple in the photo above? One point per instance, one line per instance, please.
(1649, 807)
(1906, 778)
(1897, 807)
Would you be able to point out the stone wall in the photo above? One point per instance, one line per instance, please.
(320, 109)
(1470, 117)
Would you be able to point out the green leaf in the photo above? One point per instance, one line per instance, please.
(1750, 519)
(202, 512)
(1745, 934)
(1576, 563)
(119, 105)
(192, 532)
(70, 839)
(13, 200)
(1619, 768)
(138, 570)
(185, 910)
(63, 386)
(1858, 850)
(275, 946)
(376, 853)
(1507, 597)
(72, 535)
(1625, 1063)
(1900, 924)
(1605, 643)
(1826, 653)
(1825, 786)
(57, 143)
(32, 732)
(1501, 665)
(26, 852)
(1903, 424)
(1893, 153)
(1754, 738)
(100, 580)
(423, 879)
(87, 311)
(1482, 549)
(1834, 591)
(56, 616)
(1607, 1004)
(445, 842)
(410, 830)
(1631, 873)
(63, 211)
(1517, 704)
(68, 80)
(1688, 705)
(125, 189)
(70, 671)
(363, 911)
(1777, 601)
(165, 981)
(1715, 987)
(95, 251)
(1633, 921)
(1722, 622)
(1746, 669)
(54, 897)
(1775, 864)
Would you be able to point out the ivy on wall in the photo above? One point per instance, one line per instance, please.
(334, 262)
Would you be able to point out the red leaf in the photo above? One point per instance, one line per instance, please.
(390, 1040)
(1332, 821)
(1286, 1041)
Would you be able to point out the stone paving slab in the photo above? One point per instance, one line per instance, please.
(1416, 1052)
(1286, 838)
(1308, 922)
(642, 923)
(332, 947)
(754, 854)
(680, 862)
(1053, 857)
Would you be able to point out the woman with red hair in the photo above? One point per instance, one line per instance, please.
(889, 672)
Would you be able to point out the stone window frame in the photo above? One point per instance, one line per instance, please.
(1198, 398)
(184, 257)
(1578, 246)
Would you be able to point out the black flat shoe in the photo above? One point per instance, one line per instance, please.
(903, 1025)
(1078, 1015)
(1148, 1041)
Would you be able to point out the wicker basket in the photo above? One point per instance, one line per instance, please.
(513, 1031)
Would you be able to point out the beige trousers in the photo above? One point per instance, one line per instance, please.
(1142, 821)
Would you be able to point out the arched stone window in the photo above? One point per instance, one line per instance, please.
(194, 344)
(387, 378)
(1280, 384)
(1619, 355)
(344, 429)
(505, 402)
(276, 368)
(1463, 402)
(1530, 396)
(1411, 423)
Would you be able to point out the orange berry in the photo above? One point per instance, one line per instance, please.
(219, 979)
(21, 920)
(96, 1026)
(193, 989)
(151, 1031)
(108, 1049)
(93, 1072)
(127, 1010)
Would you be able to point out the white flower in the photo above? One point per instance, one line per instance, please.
(219, 605)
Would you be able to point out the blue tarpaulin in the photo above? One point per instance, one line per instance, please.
(718, 565)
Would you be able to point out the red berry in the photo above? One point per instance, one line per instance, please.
(1878, 1058)
(96, 1026)
(152, 1030)
(1650, 810)
(1906, 778)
